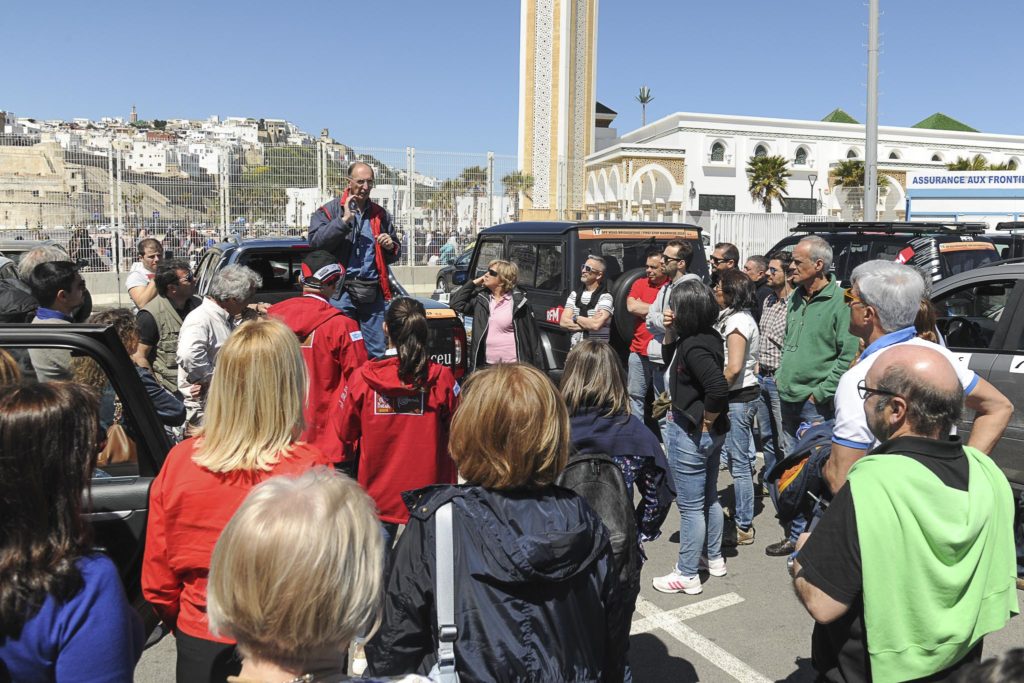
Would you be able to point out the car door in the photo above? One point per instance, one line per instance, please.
(982, 323)
(542, 276)
(117, 502)
(208, 267)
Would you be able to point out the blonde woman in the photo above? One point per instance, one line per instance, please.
(504, 329)
(254, 414)
(537, 597)
(294, 614)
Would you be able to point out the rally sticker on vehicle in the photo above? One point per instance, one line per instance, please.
(636, 234)
(966, 246)
(1017, 364)
(553, 315)
(398, 405)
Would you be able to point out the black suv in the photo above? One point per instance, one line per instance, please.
(278, 260)
(549, 256)
(1009, 240)
(938, 250)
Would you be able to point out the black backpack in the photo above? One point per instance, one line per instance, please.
(597, 478)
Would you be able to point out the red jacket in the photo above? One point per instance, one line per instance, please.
(188, 508)
(333, 349)
(403, 432)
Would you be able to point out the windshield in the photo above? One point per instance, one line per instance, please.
(960, 257)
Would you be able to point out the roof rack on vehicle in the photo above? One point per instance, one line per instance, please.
(889, 227)
(1010, 225)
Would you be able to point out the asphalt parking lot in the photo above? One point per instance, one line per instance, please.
(746, 626)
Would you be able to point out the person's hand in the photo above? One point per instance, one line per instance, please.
(347, 214)
(479, 282)
(385, 241)
(195, 391)
(668, 317)
(811, 399)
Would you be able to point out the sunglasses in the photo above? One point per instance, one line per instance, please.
(851, 299)
(865, 391)
(492, 272)
(188, 279)
(716, 261)
(588, 269)
(670, 258)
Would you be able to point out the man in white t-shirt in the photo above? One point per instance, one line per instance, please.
(139, 283)
(588, 313)
(884, 301)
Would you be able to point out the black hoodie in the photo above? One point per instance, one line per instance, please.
(537, 598)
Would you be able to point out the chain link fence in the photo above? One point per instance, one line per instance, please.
(98, 202)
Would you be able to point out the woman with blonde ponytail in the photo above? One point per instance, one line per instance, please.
(399, 407)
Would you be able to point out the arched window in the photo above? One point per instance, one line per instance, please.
(936, 157)
(894, 154)
(852, 154)
(1012, 164)
(718, 152)
(760, 151)
(801, 157)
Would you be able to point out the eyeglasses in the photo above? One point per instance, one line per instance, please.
(670, 258)
(588, 269)
(492, 272)
(717, 261)
(852, 299)
(865, 391)
(188, 279)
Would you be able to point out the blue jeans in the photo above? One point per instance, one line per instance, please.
(642, 372)
(775, 443)
(693, 456)
(370, 318)
(793, 414)
(739, 443)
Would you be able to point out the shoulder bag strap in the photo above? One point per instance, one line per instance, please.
(444, 593)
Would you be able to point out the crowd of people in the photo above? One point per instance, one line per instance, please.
(331, 485)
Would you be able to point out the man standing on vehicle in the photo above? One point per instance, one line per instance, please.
(361, 236)
(884, 300)
(912, 564)
(641, 295)
(332, 347)
(140, 282)
(160, 321)
(588, 314)
(676, 258)
(819, 347)
(60, 289)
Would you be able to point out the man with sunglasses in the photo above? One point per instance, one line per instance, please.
(160, 321)
(725, 256)
(912, 564)
(884, 301)
(588, 314)
(677, 256)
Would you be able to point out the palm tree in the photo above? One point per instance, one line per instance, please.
(515, 183)
(977, 163)
(849, 174)
(474, 179)
(767, 179)
(644, 98)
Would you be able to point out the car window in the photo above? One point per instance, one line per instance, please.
(206, 270)
(490, 250)
(549, 267)
(968, 317)
(463, 260)
(280, 269)
(525, 257)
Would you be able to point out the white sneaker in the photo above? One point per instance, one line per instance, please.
(714, 567)
(677, 583)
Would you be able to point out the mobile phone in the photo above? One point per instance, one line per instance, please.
(352, 205)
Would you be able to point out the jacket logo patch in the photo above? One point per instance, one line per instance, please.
(397, 405)
(355, 336)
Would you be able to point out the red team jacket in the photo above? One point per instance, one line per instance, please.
(188, 508)
(403, 432)
(333, 349)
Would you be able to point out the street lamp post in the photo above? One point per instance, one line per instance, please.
(813, 178)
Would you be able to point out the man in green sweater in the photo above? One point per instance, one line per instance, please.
(913, 563)
(818, 347)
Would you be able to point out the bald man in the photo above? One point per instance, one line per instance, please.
(361, 235)
(913, 563)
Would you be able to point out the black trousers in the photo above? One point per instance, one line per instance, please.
(201, 660)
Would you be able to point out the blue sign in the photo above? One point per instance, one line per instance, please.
(96, 215)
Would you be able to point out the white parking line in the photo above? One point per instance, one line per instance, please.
(671, 622)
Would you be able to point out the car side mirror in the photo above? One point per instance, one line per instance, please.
(460, 278)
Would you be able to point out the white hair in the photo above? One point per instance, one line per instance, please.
(47, 253)
(235, 282)
(819, 250)
(894, 290)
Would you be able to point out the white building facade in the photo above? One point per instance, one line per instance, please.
(697, 162)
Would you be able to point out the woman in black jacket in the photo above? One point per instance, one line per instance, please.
(536, 594)
(695, 431)
(504, 329)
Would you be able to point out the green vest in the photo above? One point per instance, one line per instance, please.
(938, 564)
(165, 355)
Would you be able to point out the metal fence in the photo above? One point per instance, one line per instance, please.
(97, 202)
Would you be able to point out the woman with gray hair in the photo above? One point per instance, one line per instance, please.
(205, 330)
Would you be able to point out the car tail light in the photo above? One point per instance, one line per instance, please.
(460, 346)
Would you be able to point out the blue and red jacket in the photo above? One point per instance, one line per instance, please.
(328, 232)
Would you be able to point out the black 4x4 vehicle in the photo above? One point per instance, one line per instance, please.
(549, 256)
(278, 260)
(938, 250)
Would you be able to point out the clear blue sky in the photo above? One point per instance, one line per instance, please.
(444, 75)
